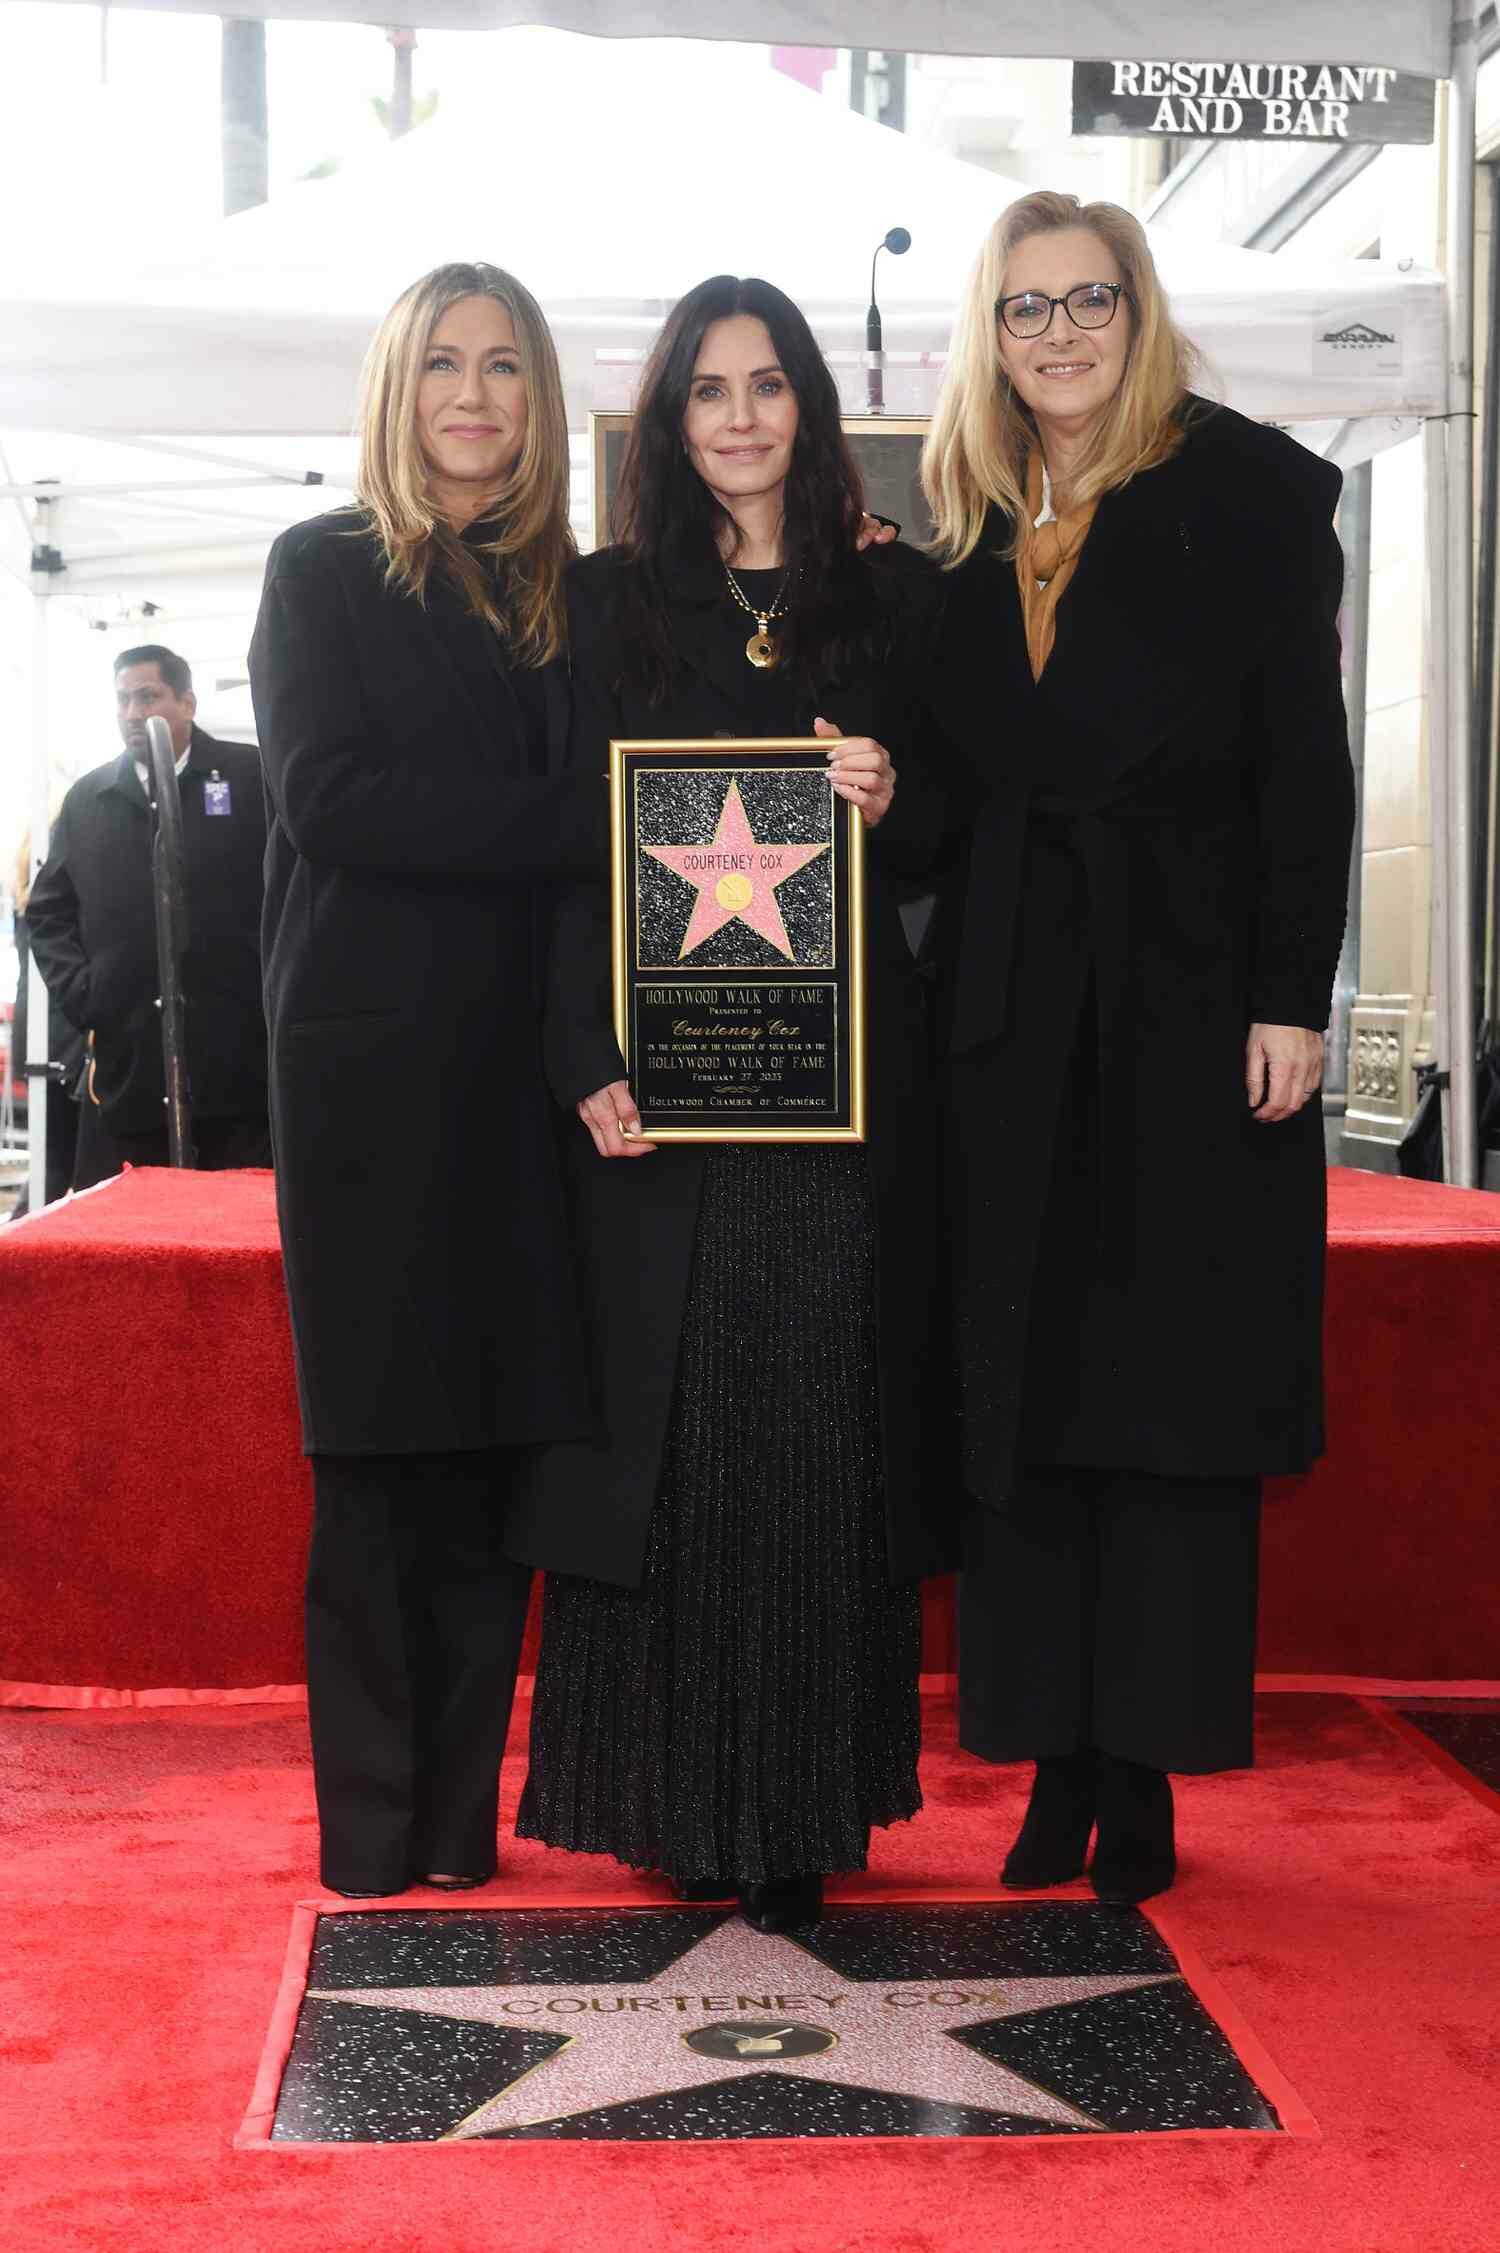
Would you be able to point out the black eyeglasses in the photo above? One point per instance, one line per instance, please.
(1089, 305)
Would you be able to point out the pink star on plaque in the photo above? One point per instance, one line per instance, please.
(736, 875)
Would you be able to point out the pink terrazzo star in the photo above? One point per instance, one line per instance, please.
(628, 2040)
(736, 875)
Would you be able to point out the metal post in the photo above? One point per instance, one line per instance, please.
(403, 41)
(243, 115)
(1437, 639)
(38, 1093)
(1463, 1168)
(1354, 534)
(1487, 675)
(170, 898)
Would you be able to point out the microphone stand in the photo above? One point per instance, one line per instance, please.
(874, 349)
(897, 241)
(169, 898)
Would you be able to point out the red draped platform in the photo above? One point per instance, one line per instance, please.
(154, 1506)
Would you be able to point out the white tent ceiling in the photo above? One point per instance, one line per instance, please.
(259, 325)
(1404, 34)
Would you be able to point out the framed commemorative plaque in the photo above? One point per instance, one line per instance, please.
(738, 940)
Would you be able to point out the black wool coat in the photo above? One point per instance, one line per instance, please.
(93, 926)
(587, 1507)
(413, 817)
(1158, 857)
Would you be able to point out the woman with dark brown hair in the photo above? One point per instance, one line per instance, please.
(727, 1688)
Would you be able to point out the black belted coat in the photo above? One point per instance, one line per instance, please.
(413, 817)
(1159, 858)
(587, 1507)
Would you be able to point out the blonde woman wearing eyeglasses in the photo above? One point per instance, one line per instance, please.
(411, 707)
(1141, 661)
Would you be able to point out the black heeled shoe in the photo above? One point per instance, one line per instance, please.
(455, 1884)
(782, 1904)
(1053, 1842)
(1136, 1855)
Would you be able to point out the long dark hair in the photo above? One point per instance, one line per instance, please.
(663, 509)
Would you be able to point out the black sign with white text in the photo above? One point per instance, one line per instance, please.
(1253, 101)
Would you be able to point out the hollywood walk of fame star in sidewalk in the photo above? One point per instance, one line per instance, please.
(735, 875)
(627, 2041)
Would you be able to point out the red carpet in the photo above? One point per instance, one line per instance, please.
(1343, 1897)
(150, 1550)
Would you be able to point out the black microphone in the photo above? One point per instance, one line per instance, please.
(898, 243)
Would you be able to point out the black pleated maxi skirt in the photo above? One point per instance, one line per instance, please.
(751, 1710)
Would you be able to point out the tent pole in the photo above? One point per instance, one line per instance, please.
(38, 1044)
(1463, 1168)
(1437, 636)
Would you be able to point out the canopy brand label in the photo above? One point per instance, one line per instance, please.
(1358, 346)
(1253, 101)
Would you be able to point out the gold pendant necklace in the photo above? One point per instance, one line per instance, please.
(760, 649)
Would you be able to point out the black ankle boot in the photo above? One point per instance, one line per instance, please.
(782, 1904)
(1136, 1855)
(1053, 1842)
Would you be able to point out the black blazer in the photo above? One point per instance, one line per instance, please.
(417, 1180)
(1158, 858)
(586, 1508)
(93, 927)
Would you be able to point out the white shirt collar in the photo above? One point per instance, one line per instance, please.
(144, 771)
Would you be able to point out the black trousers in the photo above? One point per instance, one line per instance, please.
(219, 1145)
(1115, 1609)
(95, 1157)
(414, 1623)
(62, 1150)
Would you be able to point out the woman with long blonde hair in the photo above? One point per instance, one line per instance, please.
(1141, 662)
(411, 710)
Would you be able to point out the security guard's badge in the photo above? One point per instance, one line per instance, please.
(216, 798)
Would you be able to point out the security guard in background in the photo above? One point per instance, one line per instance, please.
(91, 919)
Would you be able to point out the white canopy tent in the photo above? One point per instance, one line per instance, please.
(258, 326)
(271, 314)
(1405, 34)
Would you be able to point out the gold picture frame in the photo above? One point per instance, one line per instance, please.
(751, 1072)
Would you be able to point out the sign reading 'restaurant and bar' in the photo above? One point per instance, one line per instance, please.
(1253, 101)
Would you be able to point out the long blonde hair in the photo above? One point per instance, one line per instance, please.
(534, 538)
(982, 434)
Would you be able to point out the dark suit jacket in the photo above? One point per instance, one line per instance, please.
(1159, 858)
(93, 927)
(64, 1041)
(585, 1509)
(432, 1297)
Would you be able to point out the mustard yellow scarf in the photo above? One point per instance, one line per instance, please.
(1045, 562)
